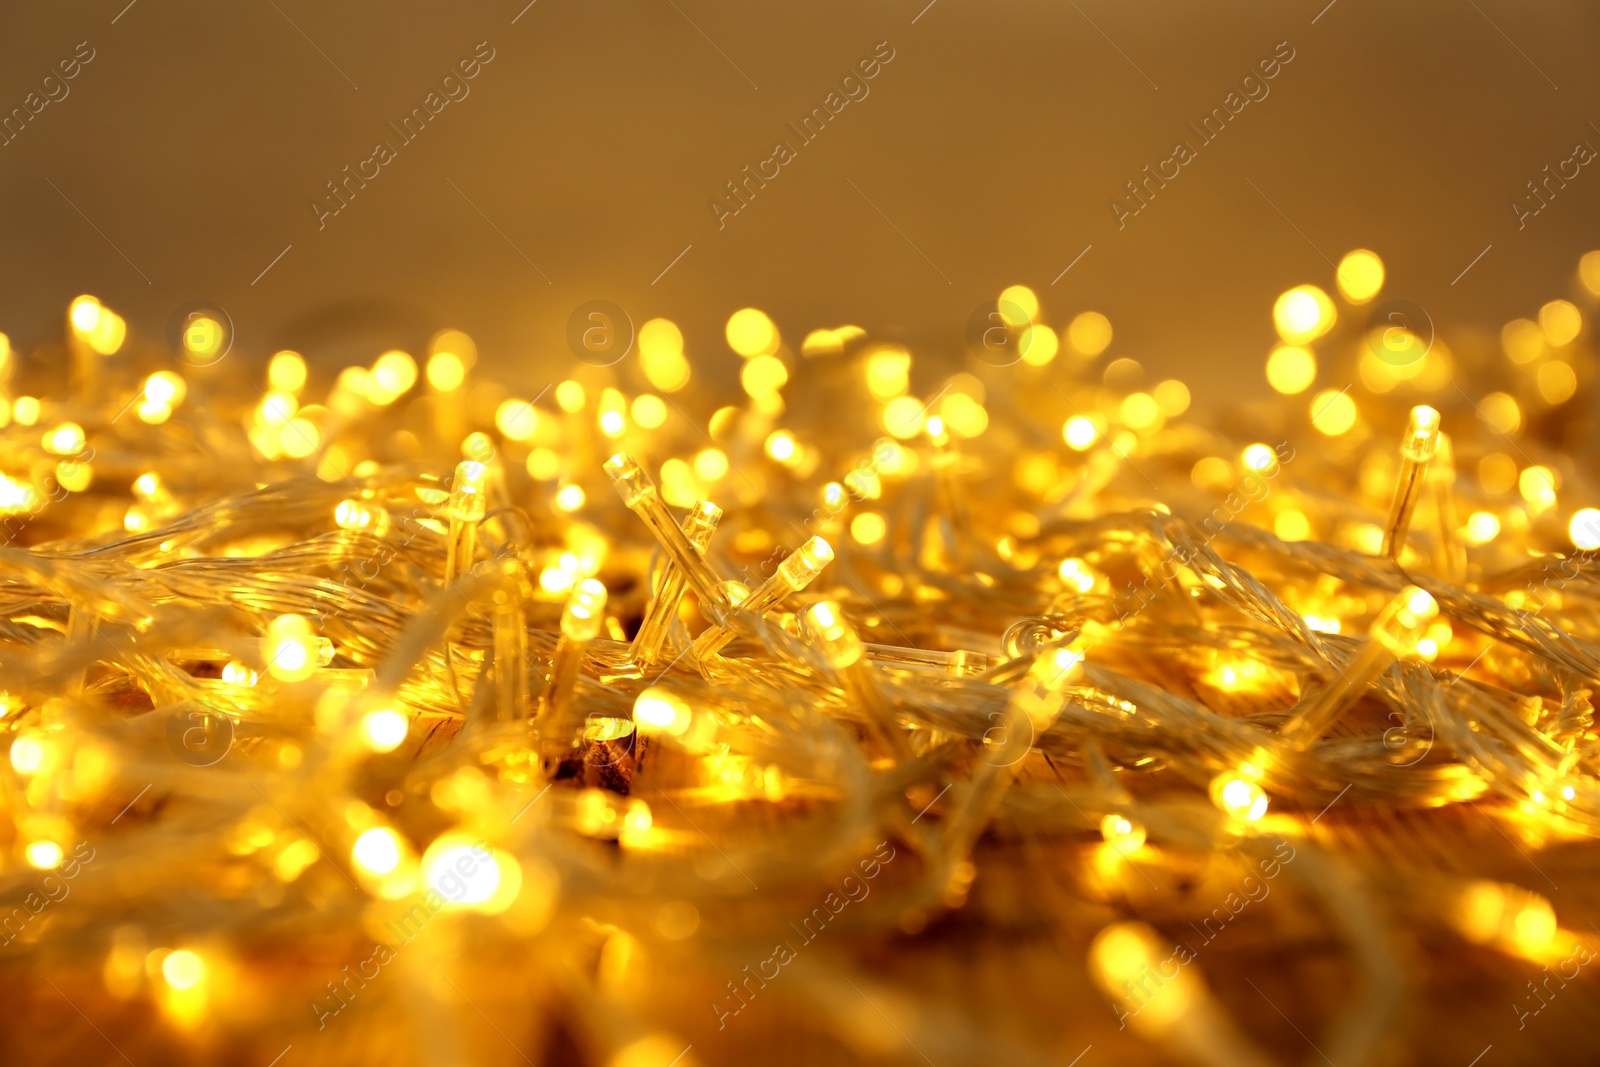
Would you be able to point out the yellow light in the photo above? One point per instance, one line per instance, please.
(44, 855)
(109, 333)
(237, 673)
(384, 730)
(1122, 833)
(517, 419)
(903, 417)
(1589, 272)
(1089, 333)
(710, 464)
(392, 374)
(1538, 485)
(1141, 412)
(570, 497)
(1523, 340)
(1482, 527)
(84, 313)
(781, 446)
(1019, 298)
(570, 396)
(888, 372)
(26, 410)
(377, 850)
(1561, 322)
(1080, 432)
(300, 438)
(1291, 369)
(657, 710)
(165, 389)
(1076, 574)
(763, 374)
(612, 423)
(65, 440)
(74, 477)
(466, 874)
(868, 528)
(446, 371)
(1303, 314)
(1333, 412)
(1038, 345)
(1502, 412)
(1360, 276)
(203, 337)
(1557, 382)
(293, 652)
(29, 754)
(1259, 457)
(751, 333)
(1291, 524)
(543, 464)
(660, 335)
(1584, 529)
(649, 411)
(286, 372)
(183, 969)
(1239, 797)
(1173, 397)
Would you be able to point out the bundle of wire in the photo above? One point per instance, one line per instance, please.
(639, 723)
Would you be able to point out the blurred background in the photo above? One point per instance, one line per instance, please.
(184, 161)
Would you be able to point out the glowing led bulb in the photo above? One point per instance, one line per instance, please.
(1303, 314)
(1239, 796)
(1584, 529)
(44, 854)
(377, 850)
(1360, 276)
(1260, 458)
(468, 503)
(293, 653)
(660, 711)
(1122, 833)
(65, 440)
(1416, 450)
(237, 673)
(383, 730)
(1079, 432)
(183, 969)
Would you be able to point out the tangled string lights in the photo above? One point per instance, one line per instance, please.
(345, 716)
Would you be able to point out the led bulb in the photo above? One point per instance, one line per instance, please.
(629, 478)
(840, 644)
(701, 523)
(1422, 434)
(801, 567)
(1239, 796)
(585, 612)
(469, 499)
(1122, 833)
(660, 711)
(383, 730)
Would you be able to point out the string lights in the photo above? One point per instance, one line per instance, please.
(399, 667)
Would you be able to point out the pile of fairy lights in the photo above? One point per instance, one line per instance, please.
(580, 697)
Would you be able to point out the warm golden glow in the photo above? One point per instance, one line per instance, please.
(1360, 276)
